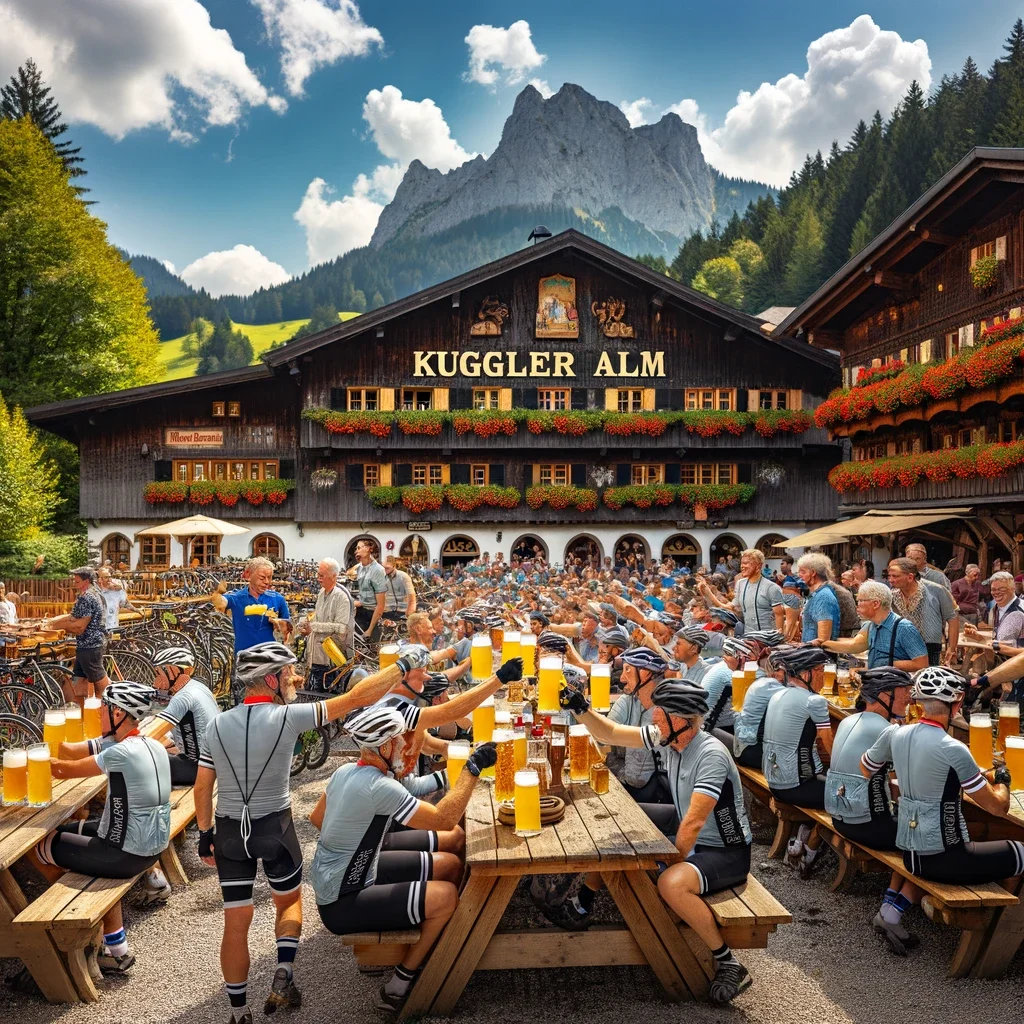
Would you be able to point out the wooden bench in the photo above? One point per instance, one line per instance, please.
(71, 911)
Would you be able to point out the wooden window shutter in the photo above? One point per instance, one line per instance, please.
(460, 473)
(446, 473)
(744, 473)
(795, 399)
(441, 399)
(967, 335)
(974, 256)
(742, 399)
(578, 474)
(497, 474)
(926, 351)
(1001, 247)
(339, 398)
(387, 400)
(402, 474)
(531, 474)
(648, 400)
(662, 399)
(671, 472)
(286, 469)
(577, 398)
(623, 474)
(505, 399)
(163, 470)
(460, 398)
(611, 399)
(753, 399)
(529, 398)
(354, 476)
(384, 471)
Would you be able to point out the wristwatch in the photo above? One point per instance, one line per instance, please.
(995, 646)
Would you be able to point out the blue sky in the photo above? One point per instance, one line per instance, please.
(179, 105)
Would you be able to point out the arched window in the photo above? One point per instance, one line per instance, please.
(457, 550)
(683, 549)
(269, 546)
(630, 550)
(117, 549)
(527, 547)
(205, 550)
(585, 548)
(727, 546)
(350, 551)
(766, 545)
(414, 549)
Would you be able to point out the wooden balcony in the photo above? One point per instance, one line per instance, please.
(95, 505)
(925, 494)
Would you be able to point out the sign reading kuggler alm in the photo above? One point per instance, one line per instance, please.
(193, 437)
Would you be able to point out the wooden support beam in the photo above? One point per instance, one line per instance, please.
(938, 237)
(895, 282)
(999, 530)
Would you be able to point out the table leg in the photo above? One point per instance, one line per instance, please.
(448, 947)
(172, 866)
(1002, 938)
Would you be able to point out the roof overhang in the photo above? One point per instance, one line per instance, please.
(871, 524)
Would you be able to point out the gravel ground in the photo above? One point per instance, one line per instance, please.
(825, 967)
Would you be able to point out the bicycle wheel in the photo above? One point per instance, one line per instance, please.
(318, 747)
(25, 702)
(298, 758)
(16, 731)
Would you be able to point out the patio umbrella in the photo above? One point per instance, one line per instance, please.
(194, 526)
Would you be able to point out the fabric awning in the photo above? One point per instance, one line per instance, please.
(874, 522)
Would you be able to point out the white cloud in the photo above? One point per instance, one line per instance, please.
(315, 33)
(851, 73)
(169, 265)
(634, 110)
(123, 66)
(541, 85)
(237, 271)
(494, 50)
(403, 130)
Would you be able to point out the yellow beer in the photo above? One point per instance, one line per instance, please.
(519, 742)
(547, 685)
(388, 654)
(505, 767)
(981, 740)
(256, 609)
(73, 723)
(739, 690)
(599, 778)
(510, 646)
(458, 755)
(54, 730)
(1009, 723)
(92, 726)
(1015, 761)
(579, 754)
(750, 671)
(483, 721)
(601, 687)
(480, 653)
(527, 799)
(497, 635)
(15, 776)
(528, 652)
(40, 782)
(830, 677)
(556, 758)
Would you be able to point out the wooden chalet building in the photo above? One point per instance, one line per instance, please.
(929, 322)
(565, 397)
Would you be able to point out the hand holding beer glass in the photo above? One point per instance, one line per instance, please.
(40, 781)
(505, 767)
(528, 652)
(458, 755)
(92, 725)
(981, 740)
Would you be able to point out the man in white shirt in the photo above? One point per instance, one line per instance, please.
(114, 598)
(919, 556)
(400, 595)
(333, 615)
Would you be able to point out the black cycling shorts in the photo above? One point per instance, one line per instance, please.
(401, 837)
(397, 898)
(183, 771)
(654, 791)
(272, 841)
(752, 757)
(810, 793)
(877, 834)
(89, 664)
(969, 862)
(720, 867)
(77, 847)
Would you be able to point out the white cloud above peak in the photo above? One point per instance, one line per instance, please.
(495, 51)
(634, 110)
(127, 66)
(315, 33)
(237, 271)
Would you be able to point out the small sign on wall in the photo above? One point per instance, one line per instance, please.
(193, 437)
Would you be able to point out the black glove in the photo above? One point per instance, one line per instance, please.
(980, 683)
(573, 700)
(403, 665)
(485, 756)
(206, 843)
(1001, 776)
(511, 670)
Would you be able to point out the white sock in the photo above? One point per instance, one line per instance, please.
(804, 833)
(891, 914)
(810, 854)
(155, 878)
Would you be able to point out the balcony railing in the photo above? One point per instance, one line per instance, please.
(976, 490)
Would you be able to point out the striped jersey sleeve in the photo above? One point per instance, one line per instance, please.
(712, 771)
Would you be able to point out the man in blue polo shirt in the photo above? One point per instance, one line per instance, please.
(821, 610)
(251, 630)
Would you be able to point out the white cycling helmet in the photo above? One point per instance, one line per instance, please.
(936, 682)
(134, 698)
(373, 726)
(263, 660)
(180, 657)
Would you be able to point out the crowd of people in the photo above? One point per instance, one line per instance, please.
(390, 848)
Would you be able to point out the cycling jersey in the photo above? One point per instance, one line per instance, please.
(718, 682)
(696, 672)
(137, 813)
(790, 727)
(361, 804)
(748, 725)
(639, 763)
(190, 712)
(849, 797)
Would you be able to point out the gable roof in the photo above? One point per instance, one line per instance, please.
(590, 248)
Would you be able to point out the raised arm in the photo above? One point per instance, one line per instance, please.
(366, 691)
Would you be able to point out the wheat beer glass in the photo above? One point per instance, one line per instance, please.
(1009, 723)
(579, 754)
(505, 767)
(599, 778)
(739, 690)
(482, 664)
(556, 758)
(15, 777)
(73, 723)
(510, 646)
(601, 687)
(519, 741)
(40, 783)
(547, 685)
(54, 729)
(483, 721)
(830, 677)
(1015, 761)
(527, 800)
(388, 654)
(458, 755)
(750, 671)
(981, 740)
(92, 725)
(528, 652)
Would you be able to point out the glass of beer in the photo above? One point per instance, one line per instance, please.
(528, 652)
(54, 729)
(497, 635)
(750, 672)
(1009, 723)
(388, 654)
(505, 767)
(830, 677)
(981, 740)
(520, 743)
(510, 646)
(547, 686)
(15, 777)
(92, 725)
(40, 782)
(599, 778)
(482, 664)
(1015, 761)
(73, 732)
(556, 758)
(739, 690)
(579, 754)
(483, 721)
(458, 755)
(527, 800)
(601, 687)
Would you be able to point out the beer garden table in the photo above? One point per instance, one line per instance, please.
(609, 834)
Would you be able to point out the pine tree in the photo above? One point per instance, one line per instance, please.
(224, 349)
(27, 96)
(1009, 129)
(803, 270)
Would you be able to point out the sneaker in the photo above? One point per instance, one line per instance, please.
(568, 915)
(729, 981)
(110, 964)
(282, 993)
(372, 969)
(388, 1004)
(897, 938)
(794, 852)
(246, 1018)
(807, 866)
(150, 896)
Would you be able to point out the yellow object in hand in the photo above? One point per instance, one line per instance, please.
(256, 609)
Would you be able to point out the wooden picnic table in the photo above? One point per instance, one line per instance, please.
(609, 834)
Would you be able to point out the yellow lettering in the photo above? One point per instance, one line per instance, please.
(512, 371)
(652, 364)
(604, 367)
(492, 364)
(563, 364)
(624, 367)
(447, 363)
(469, 364)
(423, 365)
(539, 364)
